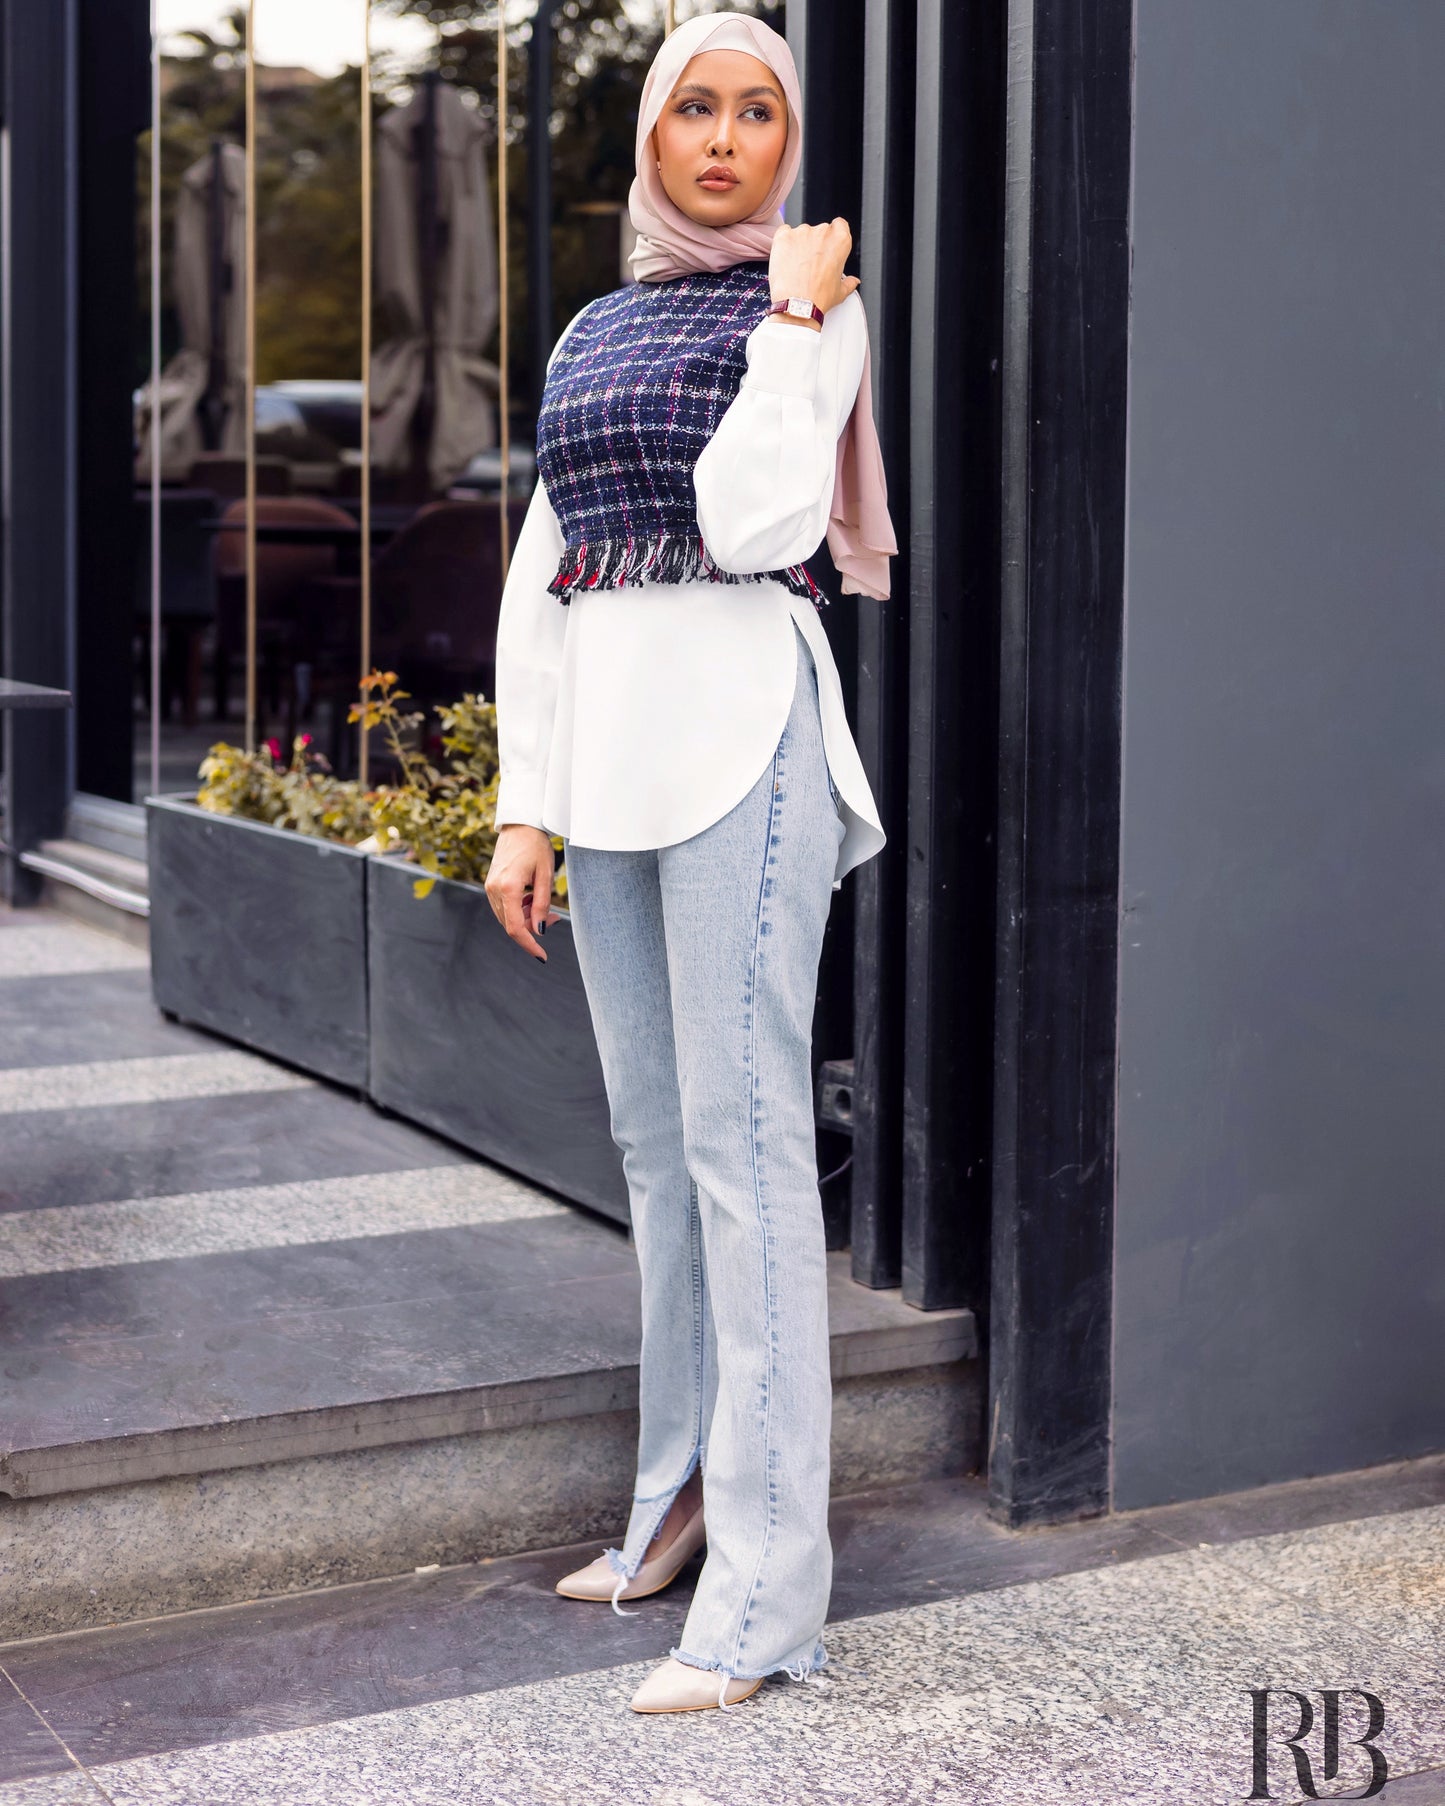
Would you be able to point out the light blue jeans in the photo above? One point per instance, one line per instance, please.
(700, 962)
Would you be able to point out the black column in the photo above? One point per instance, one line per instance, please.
(881, 720)
(1065, 392)
(39, 387)
(114, 107)
(947, 923)
(825, 37)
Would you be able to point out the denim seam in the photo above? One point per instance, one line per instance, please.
(699, 1306)
(779, 762)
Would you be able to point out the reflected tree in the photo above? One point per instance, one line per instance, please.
(308, 172)
(601, 52)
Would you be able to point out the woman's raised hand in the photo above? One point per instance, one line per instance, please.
(519, 879)
(808, 260)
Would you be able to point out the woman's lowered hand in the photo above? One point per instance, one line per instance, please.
(519, 884)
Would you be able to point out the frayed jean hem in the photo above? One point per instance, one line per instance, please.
(808, 1669)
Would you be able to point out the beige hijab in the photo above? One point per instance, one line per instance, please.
(669, 243)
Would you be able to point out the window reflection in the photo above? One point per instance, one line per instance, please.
(200, 416)
(422, 527)
(308, 387)
(435, 380)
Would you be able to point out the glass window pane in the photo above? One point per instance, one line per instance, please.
(202, 382)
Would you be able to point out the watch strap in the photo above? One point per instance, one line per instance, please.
(801, 306)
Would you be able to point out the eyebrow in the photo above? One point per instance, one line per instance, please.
(712, 93)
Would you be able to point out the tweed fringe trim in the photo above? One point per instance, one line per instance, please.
(664, 558)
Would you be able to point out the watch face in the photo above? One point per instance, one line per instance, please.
(804, 309)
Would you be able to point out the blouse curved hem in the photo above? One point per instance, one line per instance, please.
(864, 835)
(656, 846)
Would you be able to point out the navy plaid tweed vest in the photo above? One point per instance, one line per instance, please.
(635, 391)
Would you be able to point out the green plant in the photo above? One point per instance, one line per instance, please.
(444, 820)
(304, 795)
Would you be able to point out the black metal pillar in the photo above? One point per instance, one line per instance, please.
(824, 37)
(947, 924)
(904, 139)
(885, 237)
(37, 569)
(1065, 392)
(114, 108)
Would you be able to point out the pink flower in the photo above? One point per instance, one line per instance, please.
(273, 746)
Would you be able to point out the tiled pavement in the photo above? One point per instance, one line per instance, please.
(1098, 1663)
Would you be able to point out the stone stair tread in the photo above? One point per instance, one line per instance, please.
(117, 868)
(234, 1360)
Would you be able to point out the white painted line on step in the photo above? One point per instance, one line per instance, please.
(154, 1079)
(51, 951)
(68, 1237)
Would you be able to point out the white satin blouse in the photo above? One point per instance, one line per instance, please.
(635, 718)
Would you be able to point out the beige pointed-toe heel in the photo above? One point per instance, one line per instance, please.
(599, 1580)
(679, 1687)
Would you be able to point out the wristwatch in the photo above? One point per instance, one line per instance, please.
(800, 306)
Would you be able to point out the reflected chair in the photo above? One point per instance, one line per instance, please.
(224, 474)
(436, 593)
(188, 596)
(283, 573)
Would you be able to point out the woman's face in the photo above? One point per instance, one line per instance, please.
(727, 113)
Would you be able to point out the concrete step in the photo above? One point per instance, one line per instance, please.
(258, 1336)
(219, 1455)
(99, 821)
(106, 889)
(164, 1422)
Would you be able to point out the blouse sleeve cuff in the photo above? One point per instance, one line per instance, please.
(783, 359)
(519, 799)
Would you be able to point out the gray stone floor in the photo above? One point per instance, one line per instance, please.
(1103, 1662)
(1119, 1672)
(193, 1237)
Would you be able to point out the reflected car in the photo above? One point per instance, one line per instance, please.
(276, 414)
(483, 474)
(330, 408)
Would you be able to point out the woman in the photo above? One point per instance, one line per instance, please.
(668, 704)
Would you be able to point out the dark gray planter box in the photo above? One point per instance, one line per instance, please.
(259, 934)
(472, 1038)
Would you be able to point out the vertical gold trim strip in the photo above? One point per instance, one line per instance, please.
(504, 399)
(670, 22)
(250, 422)
(366, 253)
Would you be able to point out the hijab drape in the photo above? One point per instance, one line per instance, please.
(670, 243)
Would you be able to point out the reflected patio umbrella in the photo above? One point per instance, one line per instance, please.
(203, 387)
(433, 394)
